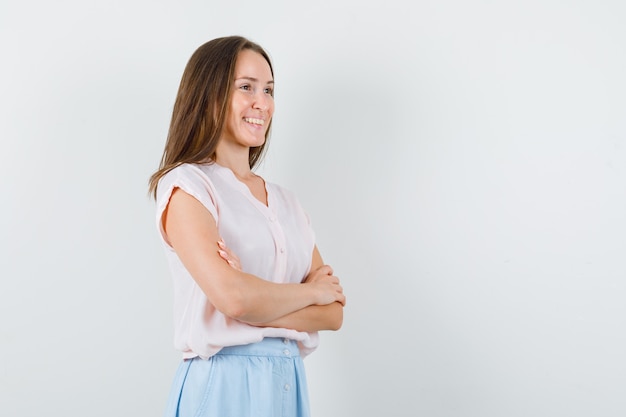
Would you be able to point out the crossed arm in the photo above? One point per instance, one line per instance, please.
(308, 319)
(315, 304)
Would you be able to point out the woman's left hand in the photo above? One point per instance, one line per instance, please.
(228, 255)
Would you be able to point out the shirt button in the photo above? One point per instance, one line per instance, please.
(272, 218)
(287, 387)
(282, 250)
(286, 352)
(286, 341)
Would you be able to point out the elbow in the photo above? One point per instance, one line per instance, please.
(236, 312)
(337, 321)
(232, 305)
(338, 324)
(230, 297)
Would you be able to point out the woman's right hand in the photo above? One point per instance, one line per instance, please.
(326, 285)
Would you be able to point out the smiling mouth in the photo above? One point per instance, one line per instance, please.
(259, 122)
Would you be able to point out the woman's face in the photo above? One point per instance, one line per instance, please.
(252, 102)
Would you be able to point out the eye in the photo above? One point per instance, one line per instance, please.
(245, 87)
(269, 90)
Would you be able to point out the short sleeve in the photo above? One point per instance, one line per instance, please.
(192, 180)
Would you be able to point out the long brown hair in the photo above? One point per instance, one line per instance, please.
(201, 106)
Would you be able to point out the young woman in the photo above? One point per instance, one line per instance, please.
(250, 288)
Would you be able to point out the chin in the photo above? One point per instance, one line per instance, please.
(256, 143)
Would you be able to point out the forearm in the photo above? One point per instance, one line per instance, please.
(253, 300)
(310, 319)
(262, 302)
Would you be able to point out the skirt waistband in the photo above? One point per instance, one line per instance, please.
(270, 346)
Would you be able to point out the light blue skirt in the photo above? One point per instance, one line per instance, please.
(264, 379)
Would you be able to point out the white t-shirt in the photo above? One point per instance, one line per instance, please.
(273, 242)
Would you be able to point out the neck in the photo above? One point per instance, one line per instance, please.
(236, 160)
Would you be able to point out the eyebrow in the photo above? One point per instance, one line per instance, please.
(252, 79)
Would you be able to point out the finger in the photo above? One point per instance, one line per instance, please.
(223, 254)
(325, 269)
(224, 248)
(333, 279)
(342, 300)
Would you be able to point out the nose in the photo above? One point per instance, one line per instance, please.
(262, 101)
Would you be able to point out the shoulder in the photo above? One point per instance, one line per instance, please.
(186, 170)
(199, 174)
(195, 179)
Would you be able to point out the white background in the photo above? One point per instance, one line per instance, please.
(463, 162)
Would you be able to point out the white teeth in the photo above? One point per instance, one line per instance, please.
(254, 121)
